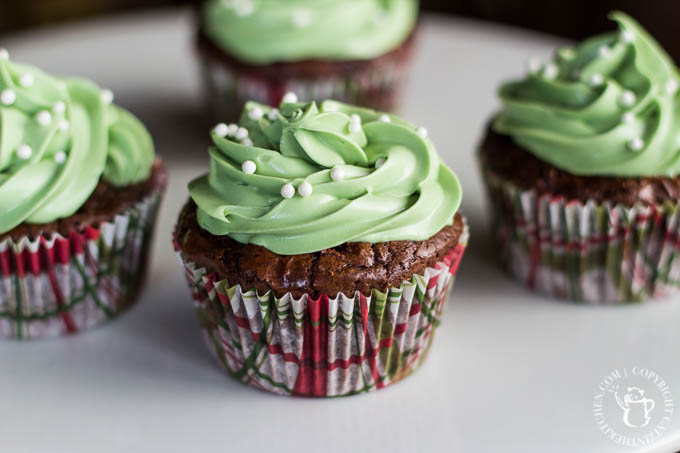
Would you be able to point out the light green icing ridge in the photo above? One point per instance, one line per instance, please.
(608, 107)
(411, 196)
(58, 137)
(267, 31)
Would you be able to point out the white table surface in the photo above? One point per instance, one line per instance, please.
(509, 370)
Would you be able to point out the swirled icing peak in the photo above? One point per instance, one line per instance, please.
(303, 178)
(267, 31)
(608, 107)
(58, 138)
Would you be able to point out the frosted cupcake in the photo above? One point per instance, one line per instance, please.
(320, 247)
(582, 167)
(79, 190)
(354, 50)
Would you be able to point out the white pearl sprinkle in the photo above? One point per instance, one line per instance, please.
(534, 65)
(221, 130)
(255, 113)
(24, 152)
(550, 71)
(627, 36)
(596, 79)
(354, 123)
(338, 174)
(302, 18)
(106, 96)
(232, 129)
(27, 80)
(7, 97)
(59, 107)
(4, 54)
(380, 162)
(384, 119)
(604, 51)
(241, 133)
(289, 98)
(43, 117)
(247, 142)
(287, 190)
(248, 167)
(305, 189)
(60, 157)
(671, 86)
(627, 98)
(628, 117)
(63, 125)
(636, 144)
(273, 113)
(421, 131)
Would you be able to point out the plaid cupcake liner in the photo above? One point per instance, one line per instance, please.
(60, 285)
(326, 346)
(587, 252)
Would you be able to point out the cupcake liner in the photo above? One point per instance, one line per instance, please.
(588, 252)
(60, 285)
(324, 346)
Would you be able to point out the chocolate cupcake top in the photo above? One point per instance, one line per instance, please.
(303, 178)
(268, 31)
(60, 136)
(608, 107)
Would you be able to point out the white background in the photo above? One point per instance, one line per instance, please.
(509, 370)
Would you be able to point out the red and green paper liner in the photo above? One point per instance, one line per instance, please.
(587, 252)
(61, 285)
(323, 346)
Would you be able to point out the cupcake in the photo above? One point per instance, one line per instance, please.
(79, 191)
(582, 167)
(320, 247)
(353, 50)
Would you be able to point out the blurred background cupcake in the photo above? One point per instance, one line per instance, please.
(353, 50)
(79, 192)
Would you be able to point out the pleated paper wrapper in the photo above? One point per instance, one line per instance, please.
(590, 252)
(61, 285)
(322, 347)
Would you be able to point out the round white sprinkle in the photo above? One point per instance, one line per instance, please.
(628, 117)
(43, 117)
(305, 189)
(384, 119)
(27, 80)
(232, 129)
(59, 107)
(248, 167)
(627, 36)
(7, 97)
(106, 96)
(380, 162)
(63, 125)
(596, 79)
(244, 8)
(273, 113)
(338, 174)
(289, 98)
(550, 71)
(534, 65)
(255, 113)
(24, 152)
(636, 144)
(4, 54)
(302, 18)
(354, 123)
(671, 86)
(421, 131)
(287, 190)
(247, 142)
(627, 98)
(221, 130)
(60, 157)
(604, 51)
(241, 133)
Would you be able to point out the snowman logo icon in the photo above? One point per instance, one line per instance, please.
(636, 407)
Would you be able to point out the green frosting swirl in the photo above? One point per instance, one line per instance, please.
(353, 175)
(608, 107)
(58, 137)
(267, 31)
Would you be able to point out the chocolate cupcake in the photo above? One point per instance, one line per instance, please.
(79, 191)
(320, 247)
(582, 168)
(353, 50)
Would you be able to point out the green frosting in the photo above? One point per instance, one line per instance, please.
(608, 107)
(266, 31)
(58, 137)
(304, 179)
